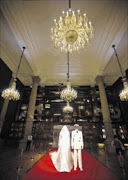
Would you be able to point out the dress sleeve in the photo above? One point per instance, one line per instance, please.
(72, 140)
(82, 139)
(59, 140)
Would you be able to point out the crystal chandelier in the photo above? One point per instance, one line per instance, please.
(124, 93)
(68, 108)
(11, 93)
(72, 32)
(68, 94)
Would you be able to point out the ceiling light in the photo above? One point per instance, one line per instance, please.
(72, 32)
(11, 93)
(124, 93)
(68, 94)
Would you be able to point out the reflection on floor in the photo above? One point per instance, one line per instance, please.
(13, 165)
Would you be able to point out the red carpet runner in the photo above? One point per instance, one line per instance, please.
(92, 170)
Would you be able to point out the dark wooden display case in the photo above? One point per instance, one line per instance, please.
(87, 112)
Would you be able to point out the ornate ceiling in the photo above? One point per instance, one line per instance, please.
(28, 23)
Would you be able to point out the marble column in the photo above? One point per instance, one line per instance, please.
(106, 114)
(4, 108)
(30, 113)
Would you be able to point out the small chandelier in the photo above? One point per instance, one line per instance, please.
(72, 32)
(68, 94)
(11, 93)
(124, 93)
(68, 108)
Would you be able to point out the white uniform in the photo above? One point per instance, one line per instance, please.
(77, 145)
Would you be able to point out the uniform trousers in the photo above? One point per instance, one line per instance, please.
(77, 156)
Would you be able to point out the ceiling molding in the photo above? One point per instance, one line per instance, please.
(7, 57)
(19, 28)
(30, 23)
(11, 63)
(116, 29)
(116, 41)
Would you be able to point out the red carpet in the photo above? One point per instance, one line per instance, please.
(92, 170)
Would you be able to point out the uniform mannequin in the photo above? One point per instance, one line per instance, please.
(77, 145)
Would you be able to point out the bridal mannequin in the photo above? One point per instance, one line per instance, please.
(62, 159)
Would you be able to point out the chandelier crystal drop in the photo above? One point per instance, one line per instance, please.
(68, 94)
(68, 108)
(11, 93)
(72, 32)
(124, 93)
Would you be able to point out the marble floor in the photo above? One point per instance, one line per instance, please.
(14, 164)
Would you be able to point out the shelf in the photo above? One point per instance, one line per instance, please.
(80, 114)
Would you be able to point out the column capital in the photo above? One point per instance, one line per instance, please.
(36, 79)
(99, 79)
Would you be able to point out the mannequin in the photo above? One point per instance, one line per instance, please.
(77, 145)
(62, 159)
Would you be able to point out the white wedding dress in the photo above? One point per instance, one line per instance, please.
(62, 159)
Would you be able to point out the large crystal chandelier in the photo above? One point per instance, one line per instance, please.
(67, 108)
(68, 94)
(72, 32)
(11, 93)
(124, 93)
